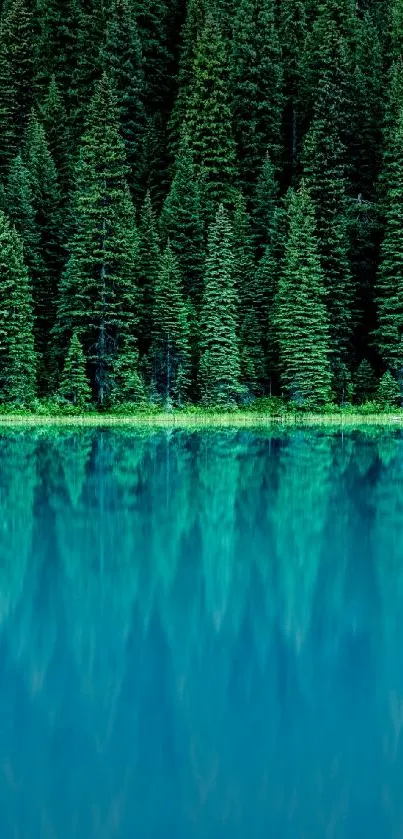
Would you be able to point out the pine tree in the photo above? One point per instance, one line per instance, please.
(148, 269)
(390, 278)
(364, 382)
(256, 87)
(181, 222)
(220, 361)
(74, 385)
(128, 385)
(57, 48)
(325, 172)
(152, 18)
(191, 30)
(91, 26)
(264, 204)
(300, 312)
(46, 202)
(98, 292)
(54, 120)
(16, 77)
(122, 61)
(170, 350)
(19, 205)
(249, 300)
(293, 32)
(209, 118)
(389, 392)
(17, 353)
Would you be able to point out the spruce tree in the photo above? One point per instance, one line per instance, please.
(264, 204)
(98, 293)
(209, 118)
(324, 158)
(219, 375)
(46, 201)
(250, 300)
(54, 120)
(57, 47)
(152, 18)
(300, 311)
(389, 393)
(390, 276)
(127, 382)
(256, 87)
(16, 77)
(181, 222)
(17, 353)
(19, 205)
(364, 382)
(148, 269)
(191, 30)
(293, 33)
(170, 350)
(122, 61)
(74, 384)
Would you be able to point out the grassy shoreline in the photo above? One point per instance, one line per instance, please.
(183, 419)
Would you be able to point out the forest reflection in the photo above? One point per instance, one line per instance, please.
(201, 634)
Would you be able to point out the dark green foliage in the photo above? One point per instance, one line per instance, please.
(181, 222)
(54, 120)
(17, 353)
(325, 173)
(300, 315)
(16, 77)
(390, 278)
(98, 294)
(389, 394)
(169, 109)
(46, 202)
(74, 384)
(293, 32)
(170, 349)
(209, 118)
(250, 301)
(364, 382)
(153, 24)
(264, 203)
(128, 385)
(148, 269)
(18, 200)
(220, 359)
(191, 30)
(57, 46)
(122, 60)
(256, 87)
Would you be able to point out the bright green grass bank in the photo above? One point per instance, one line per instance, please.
(183, 419)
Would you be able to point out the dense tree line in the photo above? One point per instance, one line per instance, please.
(201, 201)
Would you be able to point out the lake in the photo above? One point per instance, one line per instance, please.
(201, 634)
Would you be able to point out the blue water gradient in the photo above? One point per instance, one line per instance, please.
(201, 635)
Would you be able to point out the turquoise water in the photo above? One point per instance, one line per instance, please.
(201, 635)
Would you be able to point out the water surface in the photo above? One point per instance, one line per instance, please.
(201, 635)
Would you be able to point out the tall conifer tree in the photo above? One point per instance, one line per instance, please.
(181, 222)
(17, 353)
(122, 60)
(170, 350)
(98, 292)
(256, 87)
(209, 118)
(220, 359)
(16, 77)
(301, 317)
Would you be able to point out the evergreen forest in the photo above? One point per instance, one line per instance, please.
(201, 203)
